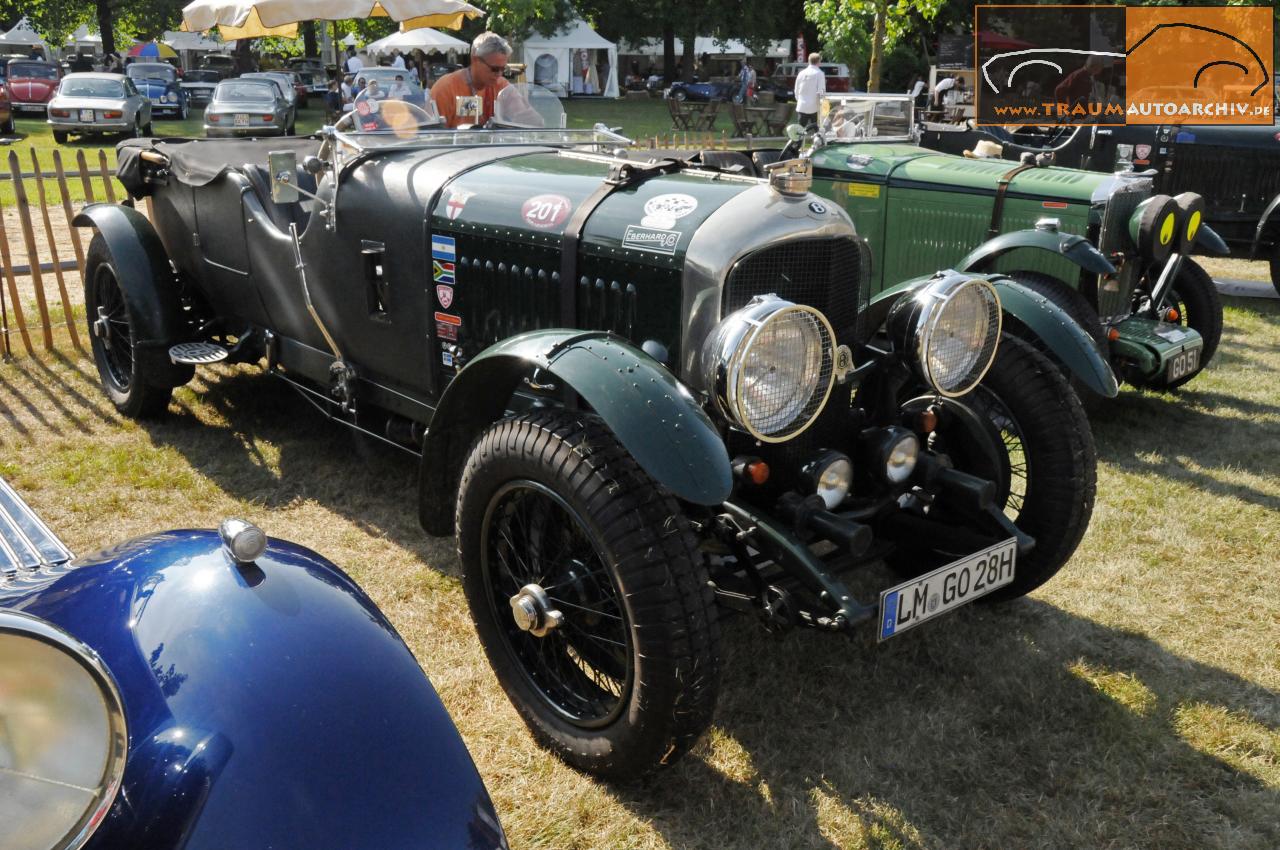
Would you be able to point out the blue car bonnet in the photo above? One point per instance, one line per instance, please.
(268, 705)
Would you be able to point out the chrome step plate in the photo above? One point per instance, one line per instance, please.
(197, 353)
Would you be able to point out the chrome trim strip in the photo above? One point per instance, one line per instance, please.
(34, 628)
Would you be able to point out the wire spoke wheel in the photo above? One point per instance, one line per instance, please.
(1014, 492)
(112, 328)
(582, 667)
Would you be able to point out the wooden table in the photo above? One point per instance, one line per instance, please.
(759, 117)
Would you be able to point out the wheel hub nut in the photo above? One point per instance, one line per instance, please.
(532, 611)
(100, 326)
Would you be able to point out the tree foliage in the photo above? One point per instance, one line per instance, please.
(857, 31)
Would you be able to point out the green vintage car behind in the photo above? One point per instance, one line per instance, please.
(1153, 311)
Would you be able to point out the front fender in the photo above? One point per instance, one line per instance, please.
(1069, 343)
(652, 414)
(1266, 219)
(146, 279)
(1075, 248)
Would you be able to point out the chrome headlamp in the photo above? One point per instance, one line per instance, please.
(949, 329)
(63, 739)
(771, 367)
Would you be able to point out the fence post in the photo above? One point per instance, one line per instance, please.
(7, 259)
(85, 182)
(66, 209)
(29, 237)
(109, 188)
(53, 254)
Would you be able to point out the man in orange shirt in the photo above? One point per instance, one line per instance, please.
(467, 96)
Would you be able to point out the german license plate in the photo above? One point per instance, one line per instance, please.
(86, 116)
(1182, 364)
(241, 120)
(946, 588)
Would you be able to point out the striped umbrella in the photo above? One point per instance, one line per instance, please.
(152, 50)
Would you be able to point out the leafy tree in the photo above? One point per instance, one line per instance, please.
(843, 27)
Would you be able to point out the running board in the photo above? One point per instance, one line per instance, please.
(197, 353)
(25, 541)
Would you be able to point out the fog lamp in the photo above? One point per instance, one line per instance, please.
(829, 475)
(244, 541)
(894, 450)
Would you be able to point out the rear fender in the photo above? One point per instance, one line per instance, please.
(1075, 248)
(146, 279)
(1060, 333)
(651, 413)
(1069, 343)
(1266, 233)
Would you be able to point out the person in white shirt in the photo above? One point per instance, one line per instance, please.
(354, 63)
(398, 61)
(811, 85)
(944, 85)
(399, 89)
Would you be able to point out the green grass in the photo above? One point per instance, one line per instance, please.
(1133, 702)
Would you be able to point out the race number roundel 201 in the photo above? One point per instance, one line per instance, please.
(546, 211)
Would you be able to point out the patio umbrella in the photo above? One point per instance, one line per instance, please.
(424, 39)
(152, 50)
(255, 18)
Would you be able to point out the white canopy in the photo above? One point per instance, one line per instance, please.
(567, 61)
(423, 39)
(777, 49)
(24, 34)
(191, 41)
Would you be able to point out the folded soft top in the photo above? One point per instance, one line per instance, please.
(197, 162)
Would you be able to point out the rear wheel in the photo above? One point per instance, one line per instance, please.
(588, 593)
(9, 127)
(113, 330)
(60, 137)
(1047, 476)
(1275, 263)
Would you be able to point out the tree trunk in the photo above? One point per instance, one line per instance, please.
(309, 38)
(690, 56)
(244, 59)
(877, 51)
(106, 26)
(668, 52)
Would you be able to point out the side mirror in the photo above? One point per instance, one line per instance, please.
(283, 168)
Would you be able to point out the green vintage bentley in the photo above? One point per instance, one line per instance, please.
(633, 391)
(1150, 308)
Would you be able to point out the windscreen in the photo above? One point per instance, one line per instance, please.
(244, 92)
(90, 87)
(867, 118)
(377, 119)
(37, 70)
(528, 107)
(151, 71)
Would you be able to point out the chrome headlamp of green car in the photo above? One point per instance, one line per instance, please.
(771, 364)
(949, 329)
(62, 736)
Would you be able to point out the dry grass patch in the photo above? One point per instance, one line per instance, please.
(1133, 702)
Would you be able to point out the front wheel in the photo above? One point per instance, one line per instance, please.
(113, 329)
(1275, 267)
(588, 593)
(1199, 307)
(1048, 473)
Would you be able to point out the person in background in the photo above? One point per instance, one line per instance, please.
(467, 96)
(354, 63)
(333, 101)
(357, 88)
(744, 82)
(811, 85)
(940, 90)
(397, 61)
(916, 89)
(399, 89)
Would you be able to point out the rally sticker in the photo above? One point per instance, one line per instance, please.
(546, 211)
(1142, 151)
(651, 239)
(444, 330)
(446, 358)
(442, 248)
(457, 202)
(448, 319)
(858, 161)
(444, 294)
(859, 190)
(663, 210)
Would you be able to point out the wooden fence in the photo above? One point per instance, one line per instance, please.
(42, 253)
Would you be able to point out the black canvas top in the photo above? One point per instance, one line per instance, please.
(197, 162)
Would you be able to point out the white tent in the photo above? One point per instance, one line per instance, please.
(424, 39)
(24, 35)
(180, 41)
(777, 49)
(567, 61)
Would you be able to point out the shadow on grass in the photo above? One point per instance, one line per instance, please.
(1012, 727)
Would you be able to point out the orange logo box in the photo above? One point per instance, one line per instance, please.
(1199, 65)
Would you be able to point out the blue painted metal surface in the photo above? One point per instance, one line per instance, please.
(269, 705)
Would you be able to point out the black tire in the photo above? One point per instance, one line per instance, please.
(680, 94)
(60, 137)
(1050, 462)
(126, 383)
(1077, 307)
(184, 111)
(1200, 308)
(9, 128)
(629, 681)
(148, 130)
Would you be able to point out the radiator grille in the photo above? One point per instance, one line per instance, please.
(1226, 176)
(1115, 297)
(829, 275)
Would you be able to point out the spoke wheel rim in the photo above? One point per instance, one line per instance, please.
(1016, 454)
(116, 342)
(584, 669)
